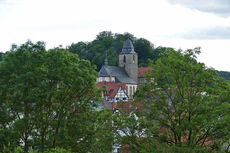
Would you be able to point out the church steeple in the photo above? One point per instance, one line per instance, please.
(128, 47)
(106, 60)
(128, 59)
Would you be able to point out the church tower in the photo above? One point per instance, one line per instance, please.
(128, 59)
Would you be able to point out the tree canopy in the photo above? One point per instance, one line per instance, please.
(110, 43)
(47, 101)
(186, 108)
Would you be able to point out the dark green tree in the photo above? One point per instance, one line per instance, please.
(144, 50)
(1, 54)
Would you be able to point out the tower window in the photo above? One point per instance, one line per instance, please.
(133, 58)
(124, 59)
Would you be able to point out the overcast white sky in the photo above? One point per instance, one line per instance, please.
(169, 23)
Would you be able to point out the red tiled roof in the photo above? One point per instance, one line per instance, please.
(142, 70)
(127, 106)
(111, 88)
(121, 105)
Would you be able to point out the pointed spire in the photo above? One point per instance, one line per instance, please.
(128, 47)
(106, 60)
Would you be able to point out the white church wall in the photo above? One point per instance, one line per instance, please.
(130, 90)
(106, 79)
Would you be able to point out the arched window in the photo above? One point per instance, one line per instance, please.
(124, 59)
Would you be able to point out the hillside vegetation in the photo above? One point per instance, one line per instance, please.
(112, 43)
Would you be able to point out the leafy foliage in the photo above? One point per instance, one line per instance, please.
(47, 101)
(224, 74)
(106, 41)
(187, 107)
(1, 54)
(111, 43)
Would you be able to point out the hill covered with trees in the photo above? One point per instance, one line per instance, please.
(224, 74)
(112, 43)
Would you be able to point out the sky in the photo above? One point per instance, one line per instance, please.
(181, 24)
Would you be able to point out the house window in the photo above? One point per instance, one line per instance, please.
(124, 98)
(117, 98)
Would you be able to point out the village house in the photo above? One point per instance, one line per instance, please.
(114, 92)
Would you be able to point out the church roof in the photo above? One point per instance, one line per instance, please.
(117, 72)
(128, 47)
(103, 72)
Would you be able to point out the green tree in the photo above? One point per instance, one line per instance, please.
(187, 105)
(20, 70)
(79, 48)
(1, 54)
(47, 101)
(144, 49)
(224, 74)
(106, 41)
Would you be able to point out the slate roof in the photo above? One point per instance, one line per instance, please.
(103, 105)
(103, 72)
(128, 48)
(117, 72)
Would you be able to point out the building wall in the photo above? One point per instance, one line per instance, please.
(106, 79)
(130, 90)
(121, 96)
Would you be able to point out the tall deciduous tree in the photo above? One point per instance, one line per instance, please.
(47, 101)
(187, 105)
(22, 73)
